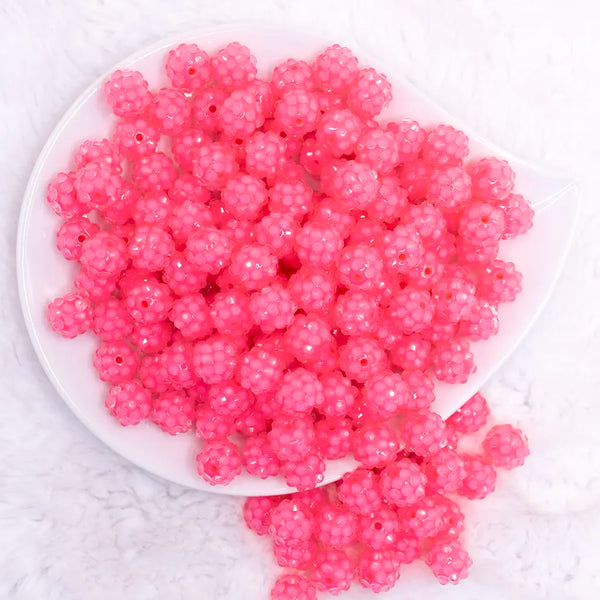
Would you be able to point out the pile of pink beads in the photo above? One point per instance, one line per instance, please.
(263, 259)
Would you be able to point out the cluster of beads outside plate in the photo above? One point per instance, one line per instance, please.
(377, 520)
(270, 267)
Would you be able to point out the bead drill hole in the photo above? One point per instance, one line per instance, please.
(363, 362)
(139, 137)
(377, 526)
(212, 108)
(81, 238)
(484, 219)
(144, 303)
(119, 360)
(402, 256)
(191, 71)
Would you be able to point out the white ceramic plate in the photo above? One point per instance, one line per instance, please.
(43, 274)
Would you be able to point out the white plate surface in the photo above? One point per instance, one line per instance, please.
(43, 274)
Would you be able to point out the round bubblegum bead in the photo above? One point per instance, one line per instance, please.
(299, 392)
(360, 267)
(292, 438)
(402, 483)
(449, 562)
(333, 571)
(378, 570)
(375, 445)
(359, 492)
(293, 587)
(260, 371)
(386, 394)
(272, 308)
(506, 446)
(357, 313)
(214, 360)
(173, 412)
(219, 462)
(230, 312)
(361, 358)
(129, 402)
(70, 315)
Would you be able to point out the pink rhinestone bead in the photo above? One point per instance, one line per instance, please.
(493, 179)
(188, 67)
(424, 433)
(333, 436)
(335, 69)
(214, 165)
(308, 338)
(339, 395)
(148, 301)
(361, 358)
(370, 93)
(374, 445)
(72, 234)
(300, 555)
(129, 402)
(259, 458)
(410, 138)
(391, 201)
(421, 390)
(380, 529)
(506, 446)
(264, 153)
(210, 425)
(253, 267)
(173, 412)
(305, 473)
(154, 172)
(299, 392)
(136, 137)
(480, 477)
(219, 462)
(402, 483)
(378, 570)
(214, 360)
(115, 362)
(449, 562)
(111, 320)
(293, 587)
(312, 289)
(257, 513)
(359, 491)
(63, 198)
(453, 361)
(411, 353)
(233, 66)
(70, 315)
(230, 313)
(126, 92)
(292, 438)
(386, 394)
(471, 416)
(445, 146)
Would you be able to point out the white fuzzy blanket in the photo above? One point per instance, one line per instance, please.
(77, 521)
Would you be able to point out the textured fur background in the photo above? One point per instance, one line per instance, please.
(77, 521)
